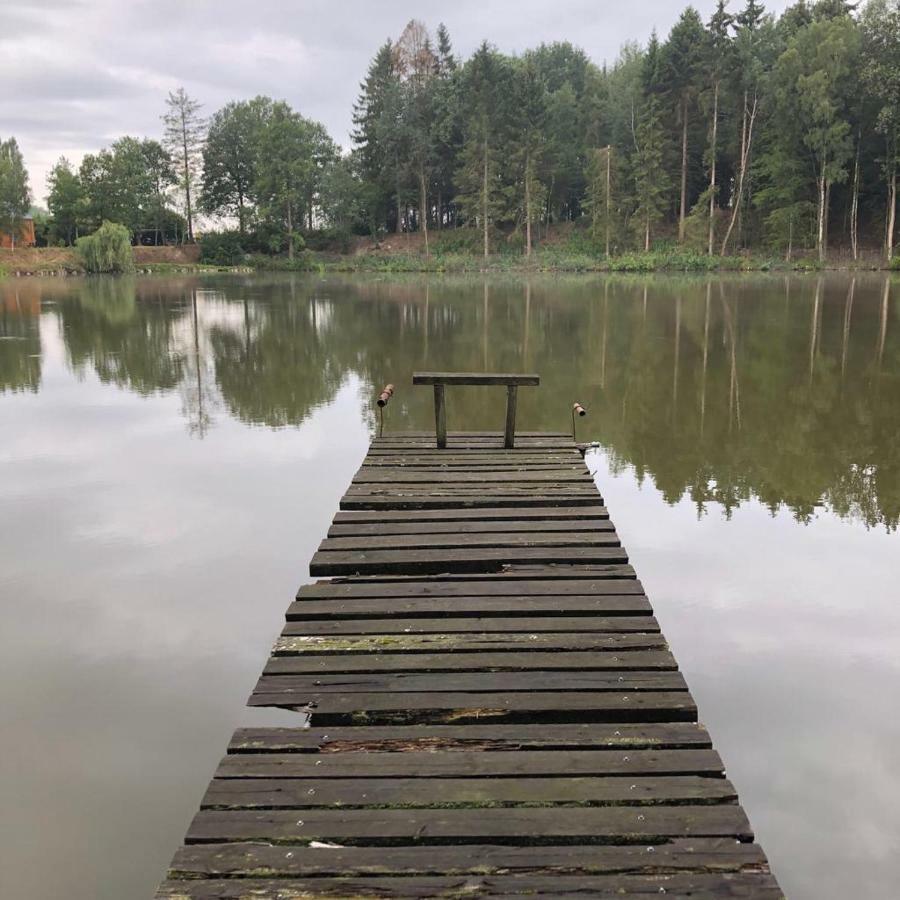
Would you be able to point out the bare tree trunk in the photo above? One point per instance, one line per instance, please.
(399, 227)
(820, 231)
(241, 213)
(423, 208)
(684, 162)
(528, 205)
(608, 189)
(712, 169)
(484, 203)
(290, 225)
(891, 216)
(484, 328)
(854, 205)
(745, 156)
(187, 179)
(647, 235)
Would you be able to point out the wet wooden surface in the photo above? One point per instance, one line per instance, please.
(492, 708)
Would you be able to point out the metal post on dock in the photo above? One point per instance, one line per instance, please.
(382, 401)
(580, 411)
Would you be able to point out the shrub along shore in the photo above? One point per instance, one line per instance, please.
(54, 261)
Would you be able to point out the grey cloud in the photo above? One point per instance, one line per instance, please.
(82, 74)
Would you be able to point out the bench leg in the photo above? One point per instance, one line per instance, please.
(440, 417)
(511, 396)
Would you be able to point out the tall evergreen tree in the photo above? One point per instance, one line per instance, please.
(481, 193)
(682, 60)
(528, 143)
(650, 176)
(718, 55)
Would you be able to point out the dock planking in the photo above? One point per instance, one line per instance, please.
(492, 709)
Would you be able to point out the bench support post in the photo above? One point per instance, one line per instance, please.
(509, 440)
(440, 417)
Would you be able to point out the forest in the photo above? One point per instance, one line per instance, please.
(747, 134)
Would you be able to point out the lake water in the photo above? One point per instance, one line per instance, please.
(173, 450)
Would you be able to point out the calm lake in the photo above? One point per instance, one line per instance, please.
(173, 450)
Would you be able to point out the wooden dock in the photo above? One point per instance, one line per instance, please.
(493, 709)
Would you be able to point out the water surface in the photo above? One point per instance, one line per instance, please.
(173, 450)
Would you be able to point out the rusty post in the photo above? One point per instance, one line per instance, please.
(385, 395)
(577, 410)
(382, 402)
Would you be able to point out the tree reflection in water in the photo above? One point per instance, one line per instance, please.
(781, 388)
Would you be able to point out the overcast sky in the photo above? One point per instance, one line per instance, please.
(76, 74)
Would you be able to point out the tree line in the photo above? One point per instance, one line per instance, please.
(747, 133)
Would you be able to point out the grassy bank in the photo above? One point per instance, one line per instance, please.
(63, 261)
(547, 261)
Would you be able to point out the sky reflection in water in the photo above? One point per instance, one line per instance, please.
(174, 449)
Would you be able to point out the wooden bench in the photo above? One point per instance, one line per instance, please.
(441, 379)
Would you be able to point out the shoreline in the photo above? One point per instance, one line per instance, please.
(548, 263)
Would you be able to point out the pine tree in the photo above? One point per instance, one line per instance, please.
(481, 193)
(377, 95)
(682, 59)
(718, 54)
(529, 142)
(650, 177)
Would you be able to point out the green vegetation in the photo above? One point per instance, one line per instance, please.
(107, 250)
(15, 197)
(750, 135)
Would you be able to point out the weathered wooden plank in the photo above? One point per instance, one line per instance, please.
(612, 580)
(679, 854)
(372, 738)
(448, 488)
(476, 624)
(241, 860)
(452, 477)
(475, 378)
(614, 761)
(451, 541)
(460, 662)
(311, 793)
(698, 886)
(458, 607)
(380, 529)
(459, 560)
(616, 824)
(473, 501)
(619, 680)
(483, 462)
(533, 642)
(595, 510)
(445, 706)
